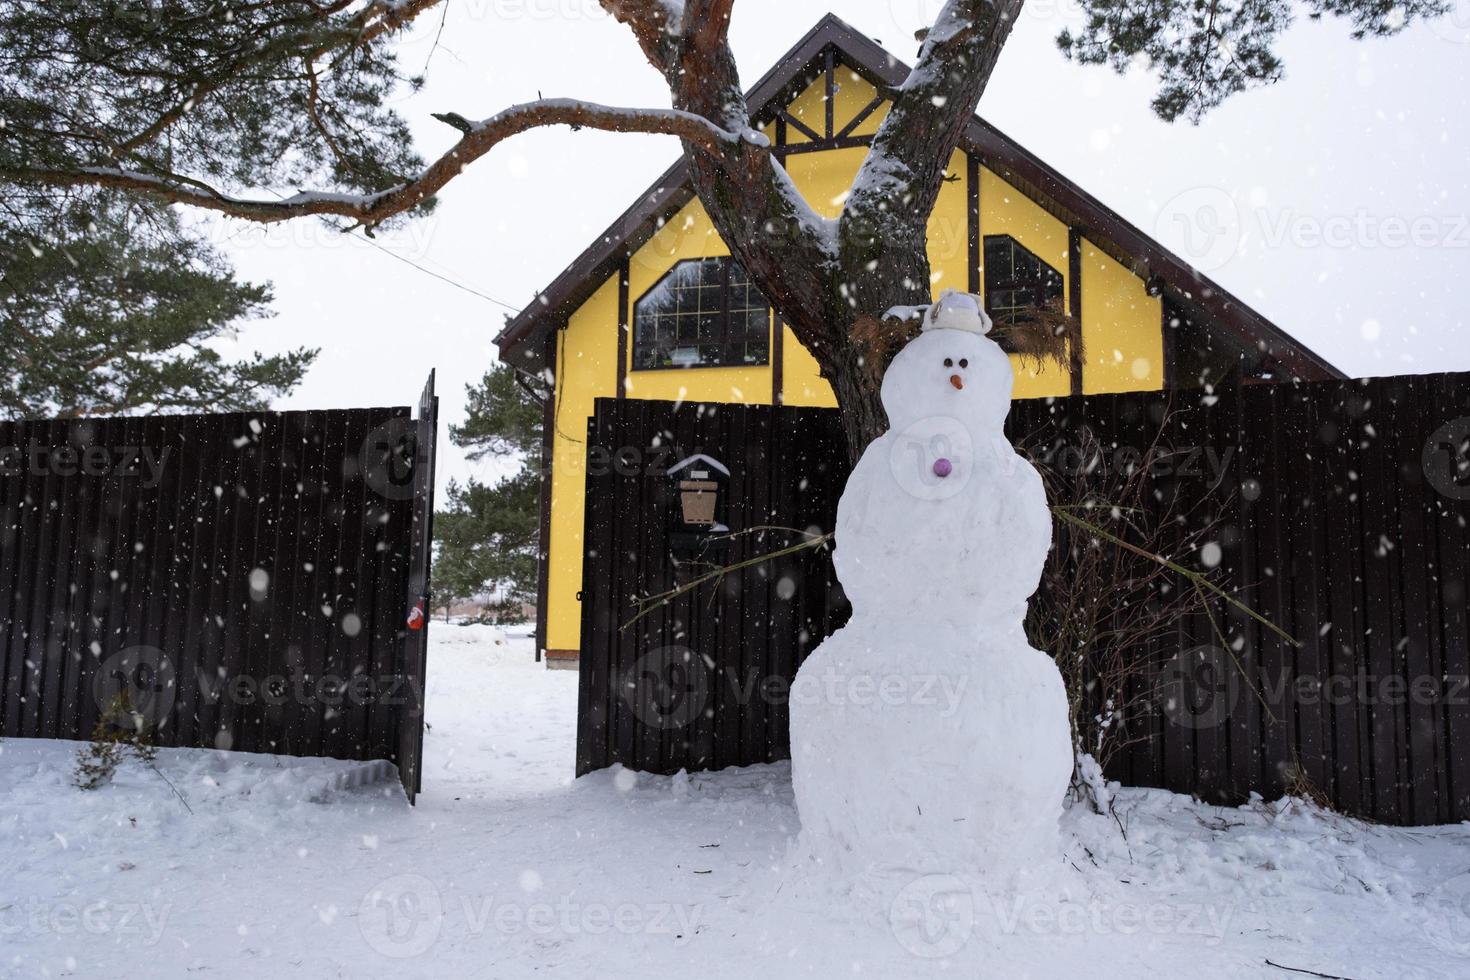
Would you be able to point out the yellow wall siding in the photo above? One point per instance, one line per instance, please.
(853, 95)
(688, 234)
(810, 108)
(1122, 327)
(825, 178)
(948, 233)
(586, 369)
(801, 380)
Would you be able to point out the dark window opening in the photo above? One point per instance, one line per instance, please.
(1017, 281)
(703, 313)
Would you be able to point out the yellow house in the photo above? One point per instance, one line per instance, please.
(655, 308)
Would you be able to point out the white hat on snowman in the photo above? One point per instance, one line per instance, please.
(954, 310)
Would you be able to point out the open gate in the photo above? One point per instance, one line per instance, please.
(414, 667)
(243, 578)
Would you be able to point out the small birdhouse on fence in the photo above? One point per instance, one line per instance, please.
(697, 502)
(701, 482)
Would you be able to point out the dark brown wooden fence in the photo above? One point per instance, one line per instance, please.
(244, 578)
(1342, 513)
(414, 666)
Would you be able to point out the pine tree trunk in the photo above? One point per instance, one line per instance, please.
(836, 308)
(835, 294)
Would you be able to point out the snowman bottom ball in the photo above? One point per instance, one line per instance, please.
(929, 749)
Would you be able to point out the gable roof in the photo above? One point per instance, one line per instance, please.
(1182, 284)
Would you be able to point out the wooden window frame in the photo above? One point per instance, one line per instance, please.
(1038, 287)
(731, 351)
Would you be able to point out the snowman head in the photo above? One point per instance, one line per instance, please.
(949, 373)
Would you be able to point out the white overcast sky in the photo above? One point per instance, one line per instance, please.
(1337, 202)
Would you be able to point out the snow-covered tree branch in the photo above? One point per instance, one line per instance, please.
(372, 209)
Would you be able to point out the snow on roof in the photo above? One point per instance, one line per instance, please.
(710, 461)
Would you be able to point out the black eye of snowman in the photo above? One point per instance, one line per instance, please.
(964, 362)
(948, 362)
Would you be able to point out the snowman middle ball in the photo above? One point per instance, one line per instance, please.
(941, 518)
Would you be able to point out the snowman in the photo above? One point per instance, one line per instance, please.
(927, 736)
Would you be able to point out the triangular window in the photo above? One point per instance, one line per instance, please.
(1017, 281)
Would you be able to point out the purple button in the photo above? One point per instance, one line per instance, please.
(943, 467)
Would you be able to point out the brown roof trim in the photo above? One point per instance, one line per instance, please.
(578, 280)
(1101, 225)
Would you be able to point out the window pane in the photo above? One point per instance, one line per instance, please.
(998, 258)
(709, 328)
(757, 324)
(704, 312)
(1016, 279)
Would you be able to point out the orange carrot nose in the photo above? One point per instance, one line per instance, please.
(957, 381)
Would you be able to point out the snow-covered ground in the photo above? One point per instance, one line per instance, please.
(508, 868)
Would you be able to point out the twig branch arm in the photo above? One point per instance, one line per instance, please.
(1063, 513)
(650, 603)
(1198, 579)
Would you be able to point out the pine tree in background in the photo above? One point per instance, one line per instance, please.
(487, 535)
(109, 306)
